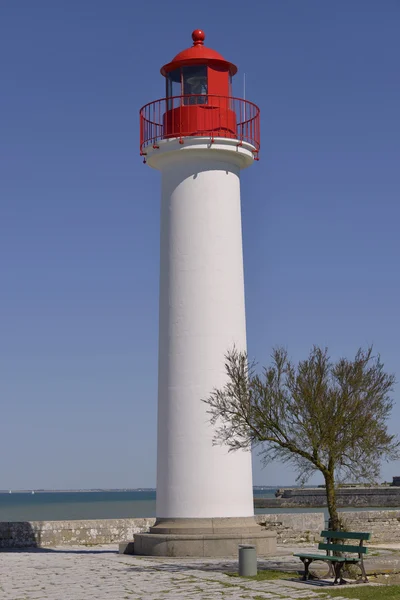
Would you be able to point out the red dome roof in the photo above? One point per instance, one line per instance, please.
(198, 54)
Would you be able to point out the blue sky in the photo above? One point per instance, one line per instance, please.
(79, 212)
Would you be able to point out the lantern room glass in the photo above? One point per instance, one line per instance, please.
(174, 88)
(195, 85)
(189, 82)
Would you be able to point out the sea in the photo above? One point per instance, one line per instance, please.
(100, 504)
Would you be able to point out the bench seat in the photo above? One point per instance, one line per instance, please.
(328, 558)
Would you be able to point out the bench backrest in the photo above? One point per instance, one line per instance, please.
(331, 544)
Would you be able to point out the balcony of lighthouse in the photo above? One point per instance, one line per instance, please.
(189, 117)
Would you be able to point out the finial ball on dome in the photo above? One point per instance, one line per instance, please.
(198, 37)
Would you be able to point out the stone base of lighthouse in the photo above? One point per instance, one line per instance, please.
(219, 537)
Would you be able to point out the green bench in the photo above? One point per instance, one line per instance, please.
(336, 561)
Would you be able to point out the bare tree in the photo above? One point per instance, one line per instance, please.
(317, 415)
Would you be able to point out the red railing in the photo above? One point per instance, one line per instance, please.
(199, 116)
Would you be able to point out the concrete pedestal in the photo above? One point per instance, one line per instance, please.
(202, 538)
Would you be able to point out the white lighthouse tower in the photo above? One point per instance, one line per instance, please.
(199, 137)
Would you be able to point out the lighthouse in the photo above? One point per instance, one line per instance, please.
(199, 137)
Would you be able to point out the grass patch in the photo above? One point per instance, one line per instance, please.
(385, 592)
(267, 575)
(265, 598)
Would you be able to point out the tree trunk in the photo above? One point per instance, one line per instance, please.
(334, 522)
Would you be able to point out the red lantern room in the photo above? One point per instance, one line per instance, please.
(199, 101)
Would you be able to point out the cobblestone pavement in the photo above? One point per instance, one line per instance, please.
(101, 573)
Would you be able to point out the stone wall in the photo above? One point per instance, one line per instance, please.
(70, 533)
(294, 528)
(291, 528)
(383, 524)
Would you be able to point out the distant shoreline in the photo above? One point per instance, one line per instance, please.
(42, 491)
(91, 490)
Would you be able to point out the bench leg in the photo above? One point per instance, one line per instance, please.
(331, 570)
(338, 574)
(306, 562)
(363, 578)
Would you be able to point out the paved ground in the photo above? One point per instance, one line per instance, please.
(102, 574)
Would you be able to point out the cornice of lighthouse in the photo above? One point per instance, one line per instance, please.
(218, 149)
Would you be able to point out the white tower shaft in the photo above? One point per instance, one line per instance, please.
(202, 315)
